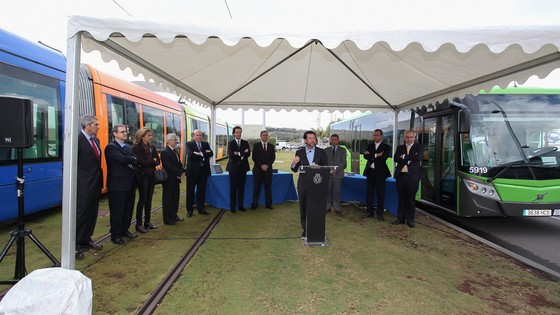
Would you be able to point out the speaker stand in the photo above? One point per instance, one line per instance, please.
(18, 236)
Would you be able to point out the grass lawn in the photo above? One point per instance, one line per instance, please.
(255, 263)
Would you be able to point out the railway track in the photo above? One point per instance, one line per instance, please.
(159, 293)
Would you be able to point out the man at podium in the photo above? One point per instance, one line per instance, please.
(309, 155)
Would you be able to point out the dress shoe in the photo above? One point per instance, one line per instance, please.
(328, 209)
(369, 215)
(79, 255)
(254, 207)
(233, 211)
(179, 219)
(270, 207)
(170, 223)
(130, 235)
(189, 214)
(150, 226)
(141, 229)
(92, 245)
(242, 209)
(117, 240)
(410, 224)
(398, 221)
(380, 217)
(204, 212)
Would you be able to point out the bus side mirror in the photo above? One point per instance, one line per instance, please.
(464, 120)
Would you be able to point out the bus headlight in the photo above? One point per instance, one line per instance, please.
(483, 190)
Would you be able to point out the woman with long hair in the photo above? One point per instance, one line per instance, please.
(148, 159)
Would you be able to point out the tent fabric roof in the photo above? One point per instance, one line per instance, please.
(321, 66)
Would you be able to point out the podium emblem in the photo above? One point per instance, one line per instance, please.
(317, 179)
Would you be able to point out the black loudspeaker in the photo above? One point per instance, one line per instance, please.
(16, 123)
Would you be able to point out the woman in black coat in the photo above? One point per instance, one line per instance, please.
(148, 159)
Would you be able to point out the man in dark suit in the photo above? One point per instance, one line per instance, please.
(408, 173)
(309, 155)
(263, 157)
(171, 162)
(376, 172)
(89, 183)
(121, 184)
(198, 170)
(237, 166)
(336, 157)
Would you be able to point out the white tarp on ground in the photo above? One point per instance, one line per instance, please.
(49, 291)
(322, 65)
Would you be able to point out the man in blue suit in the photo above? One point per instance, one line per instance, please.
(121, 184)
(309, 155)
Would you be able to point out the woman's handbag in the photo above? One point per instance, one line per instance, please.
(160, 176)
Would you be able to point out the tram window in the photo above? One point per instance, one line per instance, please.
(173, 123)
(122, 112)
(153, 119)
(45, 94)
(200, 125)
(132, 120)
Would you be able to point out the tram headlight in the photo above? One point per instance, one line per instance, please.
(480, 189)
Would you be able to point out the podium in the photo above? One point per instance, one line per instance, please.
(317, 184)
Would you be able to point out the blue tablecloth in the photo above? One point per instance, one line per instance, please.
(354, 189)
(217, 189)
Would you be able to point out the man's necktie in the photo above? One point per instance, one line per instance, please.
(333, 151)
(264, 148)
(94, 147)
(199, 146)
(176, 154)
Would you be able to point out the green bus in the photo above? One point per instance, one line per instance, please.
(494, 154)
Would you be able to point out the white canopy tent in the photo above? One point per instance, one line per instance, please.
(312, 66)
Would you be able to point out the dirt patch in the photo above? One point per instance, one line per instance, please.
(493, 289)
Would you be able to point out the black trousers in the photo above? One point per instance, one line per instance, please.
(144, 205)
(170, 199)
(87, 204)
(237, 181)
(258, 179)
(200, 184)
(121, 207)
(406, 192)
(302, 196)
(375, 185)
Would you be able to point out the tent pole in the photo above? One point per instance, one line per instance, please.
(70, 142)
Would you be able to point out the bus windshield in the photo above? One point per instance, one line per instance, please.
(514, 136)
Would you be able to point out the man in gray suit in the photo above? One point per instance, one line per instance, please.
(336, 157)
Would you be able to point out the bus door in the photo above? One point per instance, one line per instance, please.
(439, 166)
(355, 152)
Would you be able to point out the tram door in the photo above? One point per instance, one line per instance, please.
(355, 152)
(439, 167)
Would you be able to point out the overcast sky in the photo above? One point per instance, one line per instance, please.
(45, 21)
